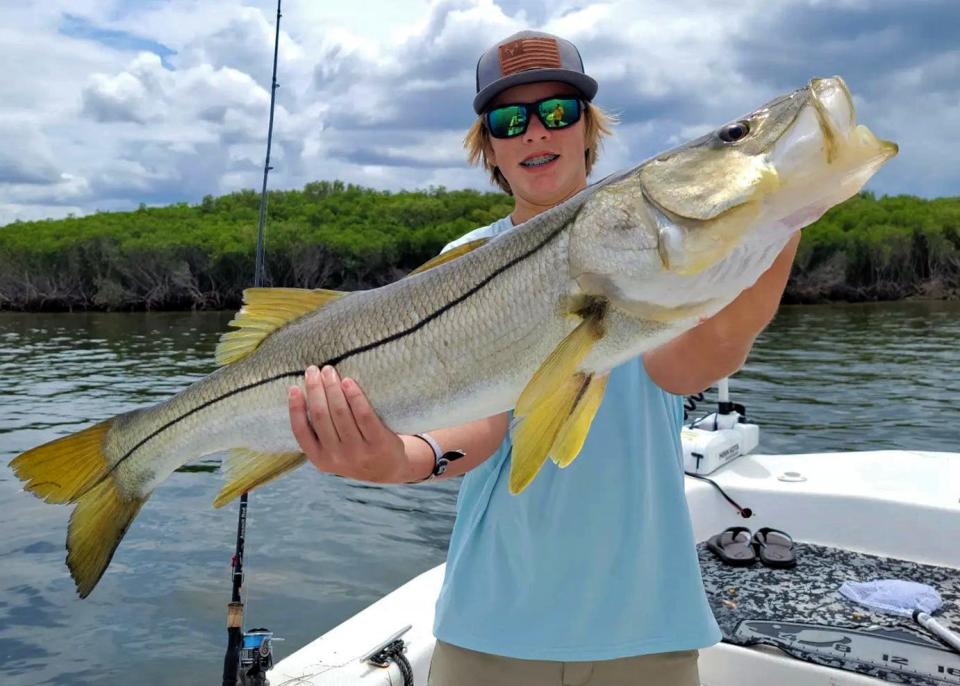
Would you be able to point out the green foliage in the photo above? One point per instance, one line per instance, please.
(870, 248)
(341, 236)
(330, 234)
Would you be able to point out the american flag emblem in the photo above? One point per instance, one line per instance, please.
(529, 53)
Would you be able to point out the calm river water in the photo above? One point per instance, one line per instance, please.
(821, 378)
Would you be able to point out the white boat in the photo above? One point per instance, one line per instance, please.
(894, 504)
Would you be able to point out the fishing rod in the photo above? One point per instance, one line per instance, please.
(252, 648)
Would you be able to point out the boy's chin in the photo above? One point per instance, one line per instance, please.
(546, 192)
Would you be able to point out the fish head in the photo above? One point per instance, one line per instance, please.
(743, 187)
(781, 166)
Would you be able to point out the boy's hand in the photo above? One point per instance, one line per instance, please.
(340, 433)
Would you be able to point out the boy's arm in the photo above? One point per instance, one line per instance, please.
(718, 346)
(478, 439)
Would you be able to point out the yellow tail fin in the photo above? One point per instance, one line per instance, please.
(61, 471)
(74, 469)
(97, 526)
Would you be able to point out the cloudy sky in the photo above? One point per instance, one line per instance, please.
(108, 103)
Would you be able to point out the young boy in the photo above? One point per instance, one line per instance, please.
(590, 576)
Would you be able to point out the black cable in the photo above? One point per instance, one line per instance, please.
(690, 403)
(744, 512)
(696, 422)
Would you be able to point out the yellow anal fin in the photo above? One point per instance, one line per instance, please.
(264, 311)
(97, 526)
(574, 431)
(450, 255)
(550, 398)
(63, 470)
(246, 469)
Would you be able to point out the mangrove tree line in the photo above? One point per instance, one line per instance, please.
(346, 237)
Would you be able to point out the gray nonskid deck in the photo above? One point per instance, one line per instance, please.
(746, 600)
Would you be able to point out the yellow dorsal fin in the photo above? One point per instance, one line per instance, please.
(267, 309)
(264, 311)
(551, 397)
(574, 431)
(450, 255)
(246, 469)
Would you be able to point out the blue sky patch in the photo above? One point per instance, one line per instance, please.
(82, 28)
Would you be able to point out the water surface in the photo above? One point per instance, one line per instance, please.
(320, 548)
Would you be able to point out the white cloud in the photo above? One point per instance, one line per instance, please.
(67, 190)
(124, 97)
(26, 156)
(379, 93)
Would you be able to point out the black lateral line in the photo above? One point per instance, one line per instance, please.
(350, 353)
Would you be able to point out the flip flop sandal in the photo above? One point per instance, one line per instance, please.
(775, 548)
(733, 546)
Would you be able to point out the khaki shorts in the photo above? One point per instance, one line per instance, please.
(455, 666)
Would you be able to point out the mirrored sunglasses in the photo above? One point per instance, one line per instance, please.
(508, 121)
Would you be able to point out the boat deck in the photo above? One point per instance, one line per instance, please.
(801, 612)
(895, 505)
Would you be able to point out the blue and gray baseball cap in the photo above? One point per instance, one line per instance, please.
(527, 57)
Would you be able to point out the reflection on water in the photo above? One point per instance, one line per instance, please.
(320, 548)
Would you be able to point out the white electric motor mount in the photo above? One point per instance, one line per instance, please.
(706, 449)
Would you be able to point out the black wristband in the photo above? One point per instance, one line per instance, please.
(440, 460)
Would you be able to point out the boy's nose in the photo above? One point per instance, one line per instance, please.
(536, 130)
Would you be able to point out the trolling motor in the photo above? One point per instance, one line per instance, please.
(717, 438)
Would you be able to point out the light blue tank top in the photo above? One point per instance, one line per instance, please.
(592, 562)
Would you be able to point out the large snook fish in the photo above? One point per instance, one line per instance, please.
(532, 320)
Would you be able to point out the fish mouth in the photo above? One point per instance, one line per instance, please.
(837, 116)
(825, 139)
(824, 156)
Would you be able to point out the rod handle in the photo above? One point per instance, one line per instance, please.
(937, 629)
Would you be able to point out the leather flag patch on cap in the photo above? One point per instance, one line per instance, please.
(529, 53)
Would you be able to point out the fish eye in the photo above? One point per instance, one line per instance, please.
(731, 133)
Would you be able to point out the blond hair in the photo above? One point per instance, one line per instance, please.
(477, 142)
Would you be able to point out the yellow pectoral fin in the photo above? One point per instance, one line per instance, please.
(534, 434)
(450, 255)
(246, 469)
(264, 311)
(548, 400)
(574, 431)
